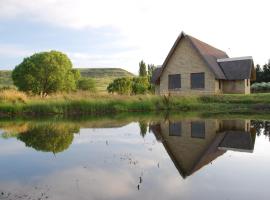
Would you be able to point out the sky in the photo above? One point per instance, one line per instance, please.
(120, 33)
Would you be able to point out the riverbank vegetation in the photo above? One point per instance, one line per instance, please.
(14, 103)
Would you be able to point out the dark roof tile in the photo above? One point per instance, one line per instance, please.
(210, 55)
(155, 75)
(238, 69)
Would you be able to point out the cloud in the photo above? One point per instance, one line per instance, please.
(150, 27)
(7, 50)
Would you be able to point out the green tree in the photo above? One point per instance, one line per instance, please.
(266, 73)
(259, 73)
(120, 86)
(44, 73)
(87, 84)
(140, 85)
(151, 68)
(142, 69)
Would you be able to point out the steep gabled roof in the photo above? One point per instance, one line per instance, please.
(208, 53)
(217, 61)
(238, 68)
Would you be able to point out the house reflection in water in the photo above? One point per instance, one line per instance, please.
(192, 144)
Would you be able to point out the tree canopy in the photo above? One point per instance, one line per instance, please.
(120, 86)
(44, 73)
(142, 69)
(134, 85)
(129, 86)
(263, 73)
(87, 84)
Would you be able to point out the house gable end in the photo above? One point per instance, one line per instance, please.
(208, 54)
(185, 60)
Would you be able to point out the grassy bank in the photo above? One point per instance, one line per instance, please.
(13, 103)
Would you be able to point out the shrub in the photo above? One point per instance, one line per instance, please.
(87, 84)
(260, 87)
(120, 86)
(140, 85)
(137, 85)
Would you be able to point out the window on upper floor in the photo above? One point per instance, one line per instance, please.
(174, 81)
(197, 80)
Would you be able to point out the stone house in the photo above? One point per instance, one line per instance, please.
(194, 67)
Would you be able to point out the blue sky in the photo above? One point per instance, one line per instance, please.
(119, 33)
(26, 37)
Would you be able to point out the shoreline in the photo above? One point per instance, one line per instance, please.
(99, 106)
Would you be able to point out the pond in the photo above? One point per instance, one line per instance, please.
(164, 157)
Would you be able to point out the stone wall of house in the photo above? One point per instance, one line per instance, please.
(218, 87)
(157, 92)
(185, 60)
(236, 87)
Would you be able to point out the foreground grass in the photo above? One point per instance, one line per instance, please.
(83, 103)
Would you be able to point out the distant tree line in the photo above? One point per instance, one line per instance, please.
(263, 73)
(134, 85)
(262, 82)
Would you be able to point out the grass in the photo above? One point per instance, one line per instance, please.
(104, 72)
(85, 103)
(12, 96)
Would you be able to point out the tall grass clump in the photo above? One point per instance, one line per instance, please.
(12, 96)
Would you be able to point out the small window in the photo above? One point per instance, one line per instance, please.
(219, 84)
(247, 82)
(174, 81)
(198, 129)
(175, 128)
(197, 80)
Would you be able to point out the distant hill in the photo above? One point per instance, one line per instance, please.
(102, 76)
(104, 72)
(5, 78)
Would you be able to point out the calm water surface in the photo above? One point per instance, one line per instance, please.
(172, 158)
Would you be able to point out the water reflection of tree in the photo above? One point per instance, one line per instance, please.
(49, 137)
(143, 128)
(261, 127)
